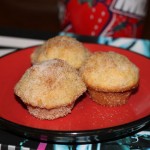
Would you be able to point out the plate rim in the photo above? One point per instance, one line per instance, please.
(76, 136)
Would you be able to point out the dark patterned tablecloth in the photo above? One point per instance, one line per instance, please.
(137, 141)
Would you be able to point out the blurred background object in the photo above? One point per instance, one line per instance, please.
(110, 18)
(37, 15)
(40, 16)
(146, 33)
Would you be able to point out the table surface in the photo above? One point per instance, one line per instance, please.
(11, 42)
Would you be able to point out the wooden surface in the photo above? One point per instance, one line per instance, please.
(38, 15)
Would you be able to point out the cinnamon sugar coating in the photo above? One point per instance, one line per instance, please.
(49, 85)
(50, 114)
(110, 71)
(61, 47)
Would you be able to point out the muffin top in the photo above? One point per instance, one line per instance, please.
(50, 84)
(61, 47)
(109, 72)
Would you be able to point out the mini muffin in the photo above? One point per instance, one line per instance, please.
(61, 47)
(110, 78)
(50, 89)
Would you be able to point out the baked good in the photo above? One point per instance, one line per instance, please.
(61, 47)
(50, 89)
(110, 77)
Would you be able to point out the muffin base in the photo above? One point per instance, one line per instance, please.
(50, 114)
(110, 98)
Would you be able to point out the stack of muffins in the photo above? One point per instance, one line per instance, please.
(63, 69)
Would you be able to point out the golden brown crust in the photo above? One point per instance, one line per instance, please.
(50, 84)
(110, 98)
(109, 72)
(61, 47)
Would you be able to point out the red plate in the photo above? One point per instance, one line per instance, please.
(87, 117)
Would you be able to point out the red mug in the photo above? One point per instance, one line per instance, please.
(114, 18)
